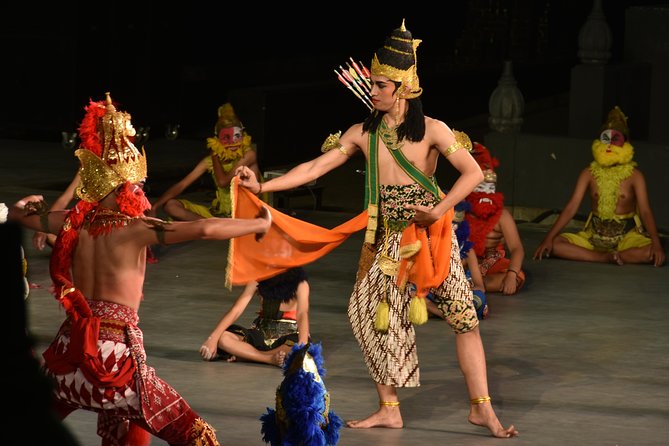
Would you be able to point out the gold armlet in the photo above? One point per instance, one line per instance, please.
(332, 142)
(462, 141)
(38, 208)
(160, 226)
(483, 399)
(453, 148)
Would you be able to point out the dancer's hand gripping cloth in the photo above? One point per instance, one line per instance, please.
(289, 243)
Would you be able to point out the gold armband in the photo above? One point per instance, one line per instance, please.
(462, 141)
(159, 226)
(332, 142)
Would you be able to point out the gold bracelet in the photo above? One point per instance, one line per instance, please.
(512, 271)
(389, 403)
(483, 399)
(259, 189)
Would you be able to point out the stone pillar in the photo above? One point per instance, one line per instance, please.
(596, 86)
(592, 82)
(506, 104)
(594, 38)
(506, 107)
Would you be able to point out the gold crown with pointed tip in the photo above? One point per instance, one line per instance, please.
(397, 61)
(120, 161)
(226, 118)
(616, 120)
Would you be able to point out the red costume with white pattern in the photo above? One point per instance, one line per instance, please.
(97, 359)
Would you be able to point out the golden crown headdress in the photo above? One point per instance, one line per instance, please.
(397, 61)
(226, 118)
(108, 157)
(616, 120)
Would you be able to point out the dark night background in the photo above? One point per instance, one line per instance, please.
(178, 64)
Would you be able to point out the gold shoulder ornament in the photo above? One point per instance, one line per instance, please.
(462, 141)
(332, 142)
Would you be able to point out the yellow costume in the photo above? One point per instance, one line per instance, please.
(221, 205)
(605, 230)
(230, 145)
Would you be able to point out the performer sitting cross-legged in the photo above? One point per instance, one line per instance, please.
(283, 321)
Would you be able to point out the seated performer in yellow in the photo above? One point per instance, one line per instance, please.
(613, 232)
(231, 148)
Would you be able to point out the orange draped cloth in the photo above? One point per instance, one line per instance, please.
(291, 242)
(427, 268)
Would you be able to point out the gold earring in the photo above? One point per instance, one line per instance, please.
(397, 115)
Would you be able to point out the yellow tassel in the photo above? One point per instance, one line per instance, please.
(410, 250)
(381, 322)
(418, 310)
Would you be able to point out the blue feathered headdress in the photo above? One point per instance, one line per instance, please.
(302, 416)
(462, 227)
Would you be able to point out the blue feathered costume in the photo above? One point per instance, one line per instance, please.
(302, 416)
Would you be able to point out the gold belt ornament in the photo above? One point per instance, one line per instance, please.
(387, 265)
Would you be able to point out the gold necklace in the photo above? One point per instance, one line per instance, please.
(389, 136)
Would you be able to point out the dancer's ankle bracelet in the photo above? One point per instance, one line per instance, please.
(389, 403)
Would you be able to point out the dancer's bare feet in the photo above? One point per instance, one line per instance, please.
(266, 215)
(386, 416)
(615, 258)
(484, 415)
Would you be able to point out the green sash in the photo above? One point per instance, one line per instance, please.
(372, 182)
(372, 188)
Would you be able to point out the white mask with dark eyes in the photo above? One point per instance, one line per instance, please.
(485, 187)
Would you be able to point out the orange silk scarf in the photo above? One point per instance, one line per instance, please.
(291, 242)
(427, 268)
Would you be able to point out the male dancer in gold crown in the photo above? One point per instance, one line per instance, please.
(98, 265)
(613, 232)
(402, 147)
